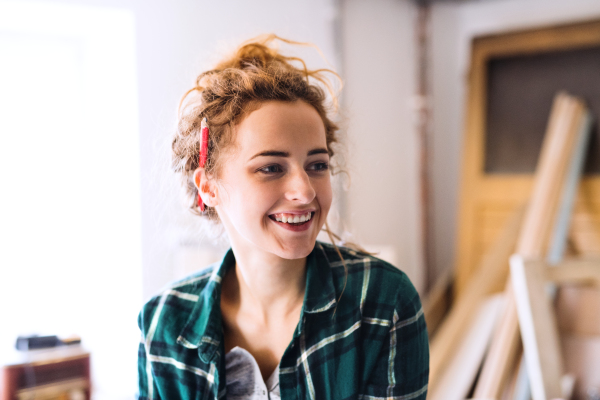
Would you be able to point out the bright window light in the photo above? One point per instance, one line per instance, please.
(70, 252)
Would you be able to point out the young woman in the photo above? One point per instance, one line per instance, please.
(282, 315)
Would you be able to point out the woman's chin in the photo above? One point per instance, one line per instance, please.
(294, 251)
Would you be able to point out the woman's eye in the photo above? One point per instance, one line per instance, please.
(271, 169)
(320, 166)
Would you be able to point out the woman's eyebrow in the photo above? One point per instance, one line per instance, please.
(271, 153)
(275, 153)
(318, 151)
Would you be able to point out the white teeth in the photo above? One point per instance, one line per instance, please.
(293, 219)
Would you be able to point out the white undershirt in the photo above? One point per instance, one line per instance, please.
(244, 380)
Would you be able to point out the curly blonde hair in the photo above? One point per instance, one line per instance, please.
(255, 73)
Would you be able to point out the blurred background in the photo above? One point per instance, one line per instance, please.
(92, 221)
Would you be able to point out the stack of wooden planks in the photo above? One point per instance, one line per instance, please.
(506, 345)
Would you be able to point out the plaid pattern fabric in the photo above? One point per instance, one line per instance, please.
(371, 344)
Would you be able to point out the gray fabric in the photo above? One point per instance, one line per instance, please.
(244, 381)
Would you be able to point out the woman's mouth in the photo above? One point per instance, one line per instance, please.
(293, 222)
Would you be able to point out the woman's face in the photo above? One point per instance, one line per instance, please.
(274, 191)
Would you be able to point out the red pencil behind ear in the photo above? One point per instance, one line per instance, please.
(203, 154)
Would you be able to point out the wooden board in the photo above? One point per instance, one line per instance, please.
(575, 271)
(538, 328)
(549, 180)
(503, 353)
(522, 388)
(559, 238)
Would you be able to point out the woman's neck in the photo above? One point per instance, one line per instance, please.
(265, 285)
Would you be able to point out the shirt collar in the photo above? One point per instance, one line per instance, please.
(320, 291)
(203, 330)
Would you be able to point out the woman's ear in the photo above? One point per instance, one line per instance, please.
(207, 187)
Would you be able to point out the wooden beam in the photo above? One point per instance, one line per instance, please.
(569, 191)
(579, 271)
(522, 387)
(538, 328)
(509, 391)
(503, 353)
(551, 170)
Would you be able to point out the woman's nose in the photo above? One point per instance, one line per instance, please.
(300, 188)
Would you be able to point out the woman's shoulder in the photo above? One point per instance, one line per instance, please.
(180, 294)
(357, 260)
(381, 282)
(191, 284)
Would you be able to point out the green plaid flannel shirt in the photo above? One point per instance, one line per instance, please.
(375, 346)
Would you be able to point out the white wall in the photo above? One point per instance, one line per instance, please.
(70, 247)
(453, 27)
(379, 61)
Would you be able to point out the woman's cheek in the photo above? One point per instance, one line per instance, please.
(259, 197)
(325, 194)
